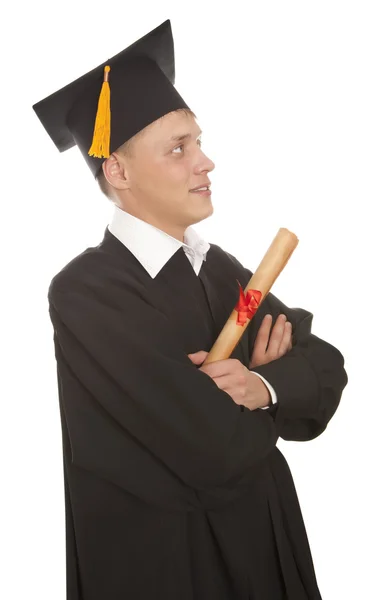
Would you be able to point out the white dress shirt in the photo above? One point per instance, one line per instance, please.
(153, 248)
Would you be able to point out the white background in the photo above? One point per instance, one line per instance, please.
(288, 95)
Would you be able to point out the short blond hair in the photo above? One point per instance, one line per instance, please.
(127, 149)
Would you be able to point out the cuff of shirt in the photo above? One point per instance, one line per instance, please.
(273, 395)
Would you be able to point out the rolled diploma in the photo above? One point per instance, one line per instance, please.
(272, 264)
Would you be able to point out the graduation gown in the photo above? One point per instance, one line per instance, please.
(172, 491)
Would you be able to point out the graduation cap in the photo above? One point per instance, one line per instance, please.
(103, 109)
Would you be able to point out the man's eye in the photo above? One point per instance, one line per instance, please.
(182, 145)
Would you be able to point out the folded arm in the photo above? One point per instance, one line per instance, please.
(120, 350)
(308, 380)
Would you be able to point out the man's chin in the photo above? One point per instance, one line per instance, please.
(203, 213)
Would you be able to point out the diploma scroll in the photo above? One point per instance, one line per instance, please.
(255, 292)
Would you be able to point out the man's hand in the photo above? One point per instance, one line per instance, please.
(268, 348)
(234, 378)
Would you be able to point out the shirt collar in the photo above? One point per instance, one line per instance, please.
(151, 246)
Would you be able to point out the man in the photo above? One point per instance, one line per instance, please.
(174, 486)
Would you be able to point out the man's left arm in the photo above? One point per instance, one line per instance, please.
(308, 380)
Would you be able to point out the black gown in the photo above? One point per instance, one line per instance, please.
(173, 491)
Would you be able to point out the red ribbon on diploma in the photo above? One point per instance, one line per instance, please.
(247, 305)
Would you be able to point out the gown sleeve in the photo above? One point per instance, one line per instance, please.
(135, 375)
(308, 380)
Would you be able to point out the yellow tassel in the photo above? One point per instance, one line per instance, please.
(100, 147)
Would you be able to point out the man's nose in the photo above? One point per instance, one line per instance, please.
(207, 163)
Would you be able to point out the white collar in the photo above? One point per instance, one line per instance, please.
(153, 247)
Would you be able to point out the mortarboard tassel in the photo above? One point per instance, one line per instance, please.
(100, 147)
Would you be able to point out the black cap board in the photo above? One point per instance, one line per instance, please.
(122, 95)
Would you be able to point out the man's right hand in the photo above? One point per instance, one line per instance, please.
(268, 348)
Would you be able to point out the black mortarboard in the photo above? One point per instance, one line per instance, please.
(140, 89)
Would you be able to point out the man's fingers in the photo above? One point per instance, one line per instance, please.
(268, 347)
(223, 381)
(262, 338)
(198, 357)
(286, 340)
(276, 337)
(219, 368)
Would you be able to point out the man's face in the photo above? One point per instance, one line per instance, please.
(163, 169)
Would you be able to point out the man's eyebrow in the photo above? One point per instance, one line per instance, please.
(180, 138)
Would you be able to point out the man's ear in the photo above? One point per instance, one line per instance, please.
(115, 172)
